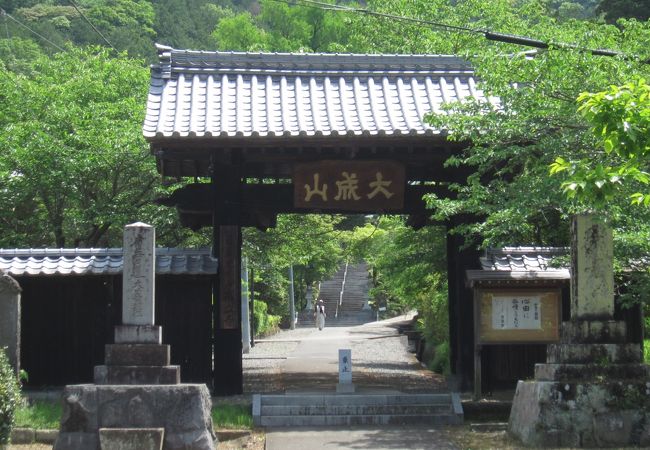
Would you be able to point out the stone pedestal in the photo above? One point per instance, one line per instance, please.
(593, 390)
(182, 410)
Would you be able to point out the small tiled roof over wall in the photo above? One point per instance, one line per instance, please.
(513, 265)
(101, 261)
(523, 258)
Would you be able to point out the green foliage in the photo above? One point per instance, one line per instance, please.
(231, 416)
(630, 9)
(311, 243)
(74, 167)
(620, 120)
(240, 33)
(264, 322)
(39, 415)
(409, 270)
(535, 120)
(440, 362)
(17, 55)
(9, 398)
(282, 28)
(646, 350)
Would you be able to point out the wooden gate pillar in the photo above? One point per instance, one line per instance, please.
(228, 371)
(461, 311)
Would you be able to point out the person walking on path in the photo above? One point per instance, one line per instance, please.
(320, 314)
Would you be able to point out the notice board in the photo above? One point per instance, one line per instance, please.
(506, 316)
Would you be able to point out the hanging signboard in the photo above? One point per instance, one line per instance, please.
(349, 185)
(517, 316)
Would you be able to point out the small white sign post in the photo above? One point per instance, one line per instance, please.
(345, 371)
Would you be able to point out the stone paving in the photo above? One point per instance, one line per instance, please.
(306, 359)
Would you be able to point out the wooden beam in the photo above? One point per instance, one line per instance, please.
(259, 204)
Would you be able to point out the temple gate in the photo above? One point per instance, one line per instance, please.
(306, 133)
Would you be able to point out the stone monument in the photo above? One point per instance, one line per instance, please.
(10, 319)
(345, 385)
(137, 401)
(594, 390)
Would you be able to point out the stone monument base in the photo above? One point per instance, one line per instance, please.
(594, 391)
(556, 414)
(182, 410)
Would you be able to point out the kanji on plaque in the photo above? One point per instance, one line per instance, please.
(349, 185)
(516, 313)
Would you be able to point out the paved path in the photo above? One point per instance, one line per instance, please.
(306, 360)
(374, 438)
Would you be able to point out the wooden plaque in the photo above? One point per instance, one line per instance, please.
(504, 316)
(349, 185)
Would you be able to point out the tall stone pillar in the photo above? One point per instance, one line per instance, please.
(138, 291)
(592, 269)
(10, 319)
(593, 389)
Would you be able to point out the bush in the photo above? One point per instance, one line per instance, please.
(265, 323)
(440, 362)
(9, 397)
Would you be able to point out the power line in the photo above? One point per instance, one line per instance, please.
(91, 24)
(487, 34)
(2, 13)
(6, 14)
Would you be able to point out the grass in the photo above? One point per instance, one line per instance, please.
(39, 415)
(232, 416)
(46, 415)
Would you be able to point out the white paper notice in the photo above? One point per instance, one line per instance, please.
(516, 313)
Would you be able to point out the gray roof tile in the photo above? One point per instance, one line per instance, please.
(96, 261)
(522, 259)
(265, 95)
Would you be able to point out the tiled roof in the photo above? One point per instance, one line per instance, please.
(200, 94)
(519, 266)
(101, 261)
(523, 259)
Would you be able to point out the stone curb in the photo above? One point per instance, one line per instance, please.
(33, 436)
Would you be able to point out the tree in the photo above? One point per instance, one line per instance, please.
(514, 140)
(630, 9)
(282, 28)
(126, 24)
(311, 243)
(74, 167)
(620, 119)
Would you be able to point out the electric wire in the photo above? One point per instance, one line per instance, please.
(6, 14)
(487, 34)
(91, 24)
(5, 22)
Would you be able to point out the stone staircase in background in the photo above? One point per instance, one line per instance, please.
(353, 308)
(295, 410)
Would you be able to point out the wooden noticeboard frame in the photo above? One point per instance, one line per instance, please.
(546, 329)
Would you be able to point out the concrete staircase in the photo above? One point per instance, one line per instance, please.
(294, 410)
(353, 309)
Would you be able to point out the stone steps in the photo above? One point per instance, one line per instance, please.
(351, 311)
(356, 409)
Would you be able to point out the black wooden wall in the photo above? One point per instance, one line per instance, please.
(67, 320)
